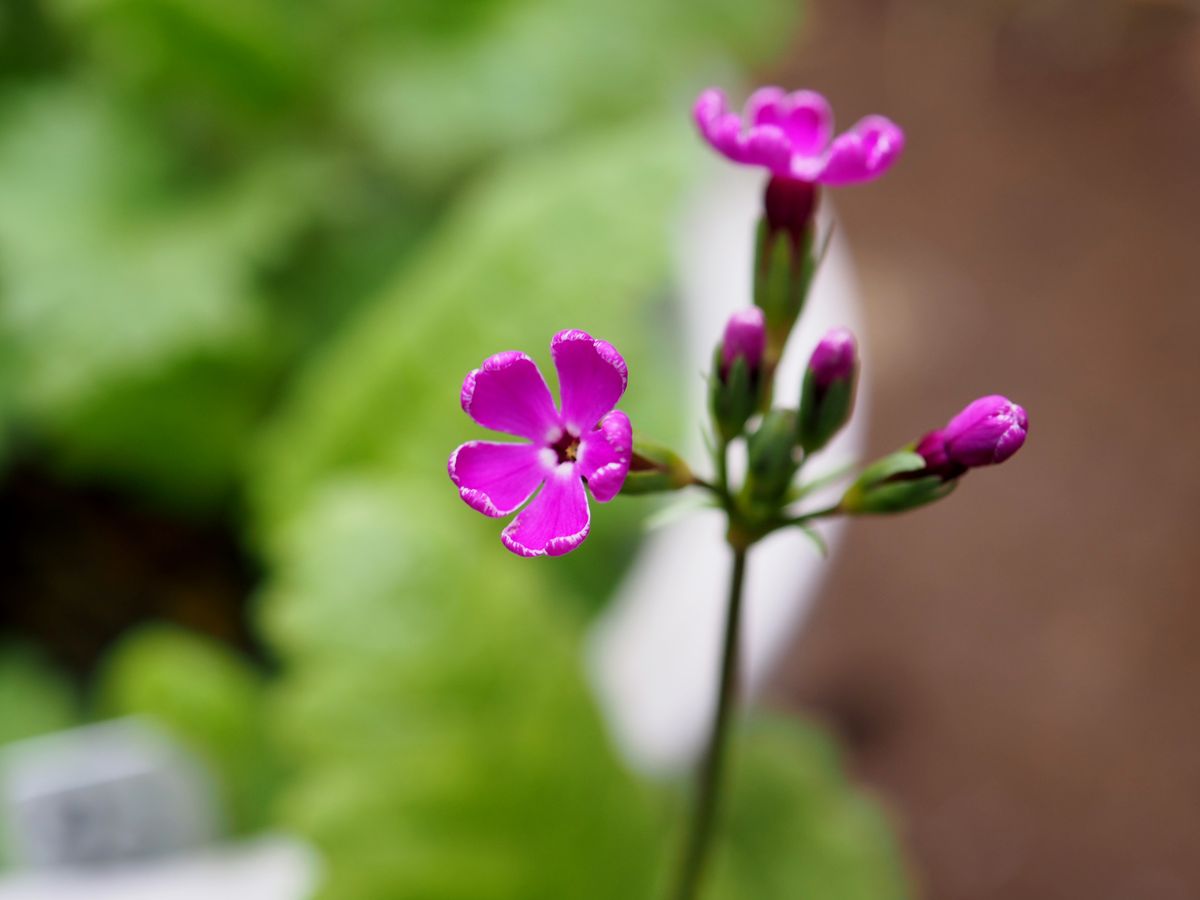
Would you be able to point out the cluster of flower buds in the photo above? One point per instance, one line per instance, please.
(791, 135)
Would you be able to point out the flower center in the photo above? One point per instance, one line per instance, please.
(566, 448)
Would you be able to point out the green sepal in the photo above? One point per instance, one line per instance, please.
(874, 492)
(732, 399)
(655, 469)
(821, 419)
(783, 272)
(773, 463)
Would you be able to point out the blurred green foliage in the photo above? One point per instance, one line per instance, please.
(209, 699)
(248, 250)
(446, 741)
(35, 699)
(448, 747)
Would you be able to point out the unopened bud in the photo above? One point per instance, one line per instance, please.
(737, 381)
(827, 398)
(988, 431)
(745, 338)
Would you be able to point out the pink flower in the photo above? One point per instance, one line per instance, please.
(789, 134)
(584, 442)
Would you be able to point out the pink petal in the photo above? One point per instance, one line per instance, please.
(507, 393)
(591, 378)
(557, 520)
(761, 145)
(604, 455)
(862, 153)
(804, 116)
(496, 479)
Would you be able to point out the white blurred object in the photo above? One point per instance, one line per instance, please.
(120, 811)
(269, 868)
(655, 653)
(101, 794)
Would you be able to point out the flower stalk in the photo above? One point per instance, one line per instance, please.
(710, 777)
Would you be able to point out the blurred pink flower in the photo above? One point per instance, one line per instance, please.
(584, 442)
(789, 134)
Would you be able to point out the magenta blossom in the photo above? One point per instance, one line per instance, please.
(584, 442)
(789, 134)
(988, 431)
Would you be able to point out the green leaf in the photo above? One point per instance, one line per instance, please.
(795, 827)
(35, 698)
(444, 741)
(534, 73)
(445, 745)
(212, 57)
(178, 434)
(109, 272)
(207, 696)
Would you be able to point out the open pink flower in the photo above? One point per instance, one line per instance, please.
(586, 441)
(789, 134)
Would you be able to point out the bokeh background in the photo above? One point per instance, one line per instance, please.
(248, 249)
(1015, 668)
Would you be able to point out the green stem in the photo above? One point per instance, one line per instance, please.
(722, 462)
(699, 839)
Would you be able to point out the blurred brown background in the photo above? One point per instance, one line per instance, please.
(1016, 670)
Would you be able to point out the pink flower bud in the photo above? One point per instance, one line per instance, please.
(987, 431)
(745, 336)
(834, 359)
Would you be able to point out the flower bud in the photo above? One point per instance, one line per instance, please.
(827, 398)
(772, 457)
(737, 381)
(654, 469)
(745, 338)
(988, 431)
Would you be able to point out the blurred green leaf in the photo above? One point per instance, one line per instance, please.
(542, 68)
(209, 698)
(199, 58)
(104, 272)
(35, 698)
(445, 744)
(796, 828)
(178, 434)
